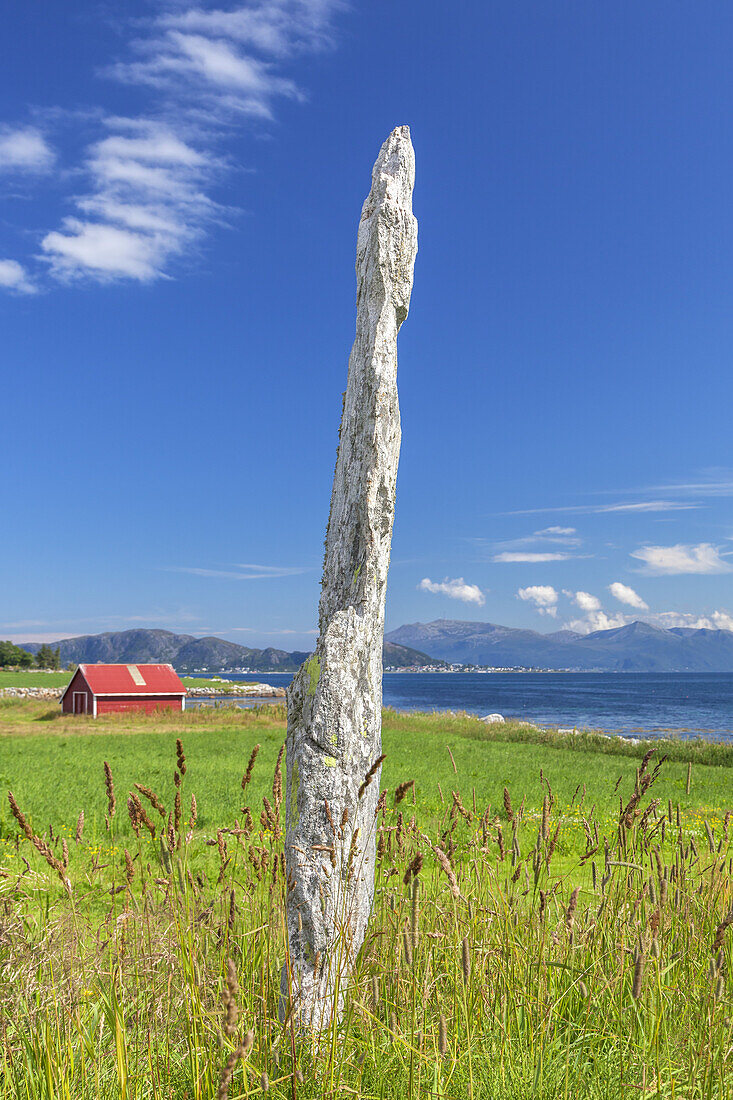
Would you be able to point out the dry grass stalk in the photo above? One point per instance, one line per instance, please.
(129, 868)
(237, 1055)
(370, 774)
(38, 843)
(638, 976)
(413, 869)
(465, 959)
(415, 913)
(552, 846)
(571, 909)
(720, 931)
(110, 788)
(508, 806)
(248, 773)
(180, 758)
(79, 827)
(442, 1036)
(277, 781)
(153, 800)
(449, 872)
(401, 790)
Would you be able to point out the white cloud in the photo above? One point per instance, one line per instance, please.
(543, 596)
(277, 27)
(145, 207)
(147, 197)
(456, 589)
(226, 62)
(24, 150)
(13, 276)
(596, 620)
(624, 594)
(557, 531)
(673, 560)
(717, 620)
(520, 556)
(587, 602)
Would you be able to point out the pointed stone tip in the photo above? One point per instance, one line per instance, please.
(396, 157)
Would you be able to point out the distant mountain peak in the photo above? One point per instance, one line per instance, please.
(189, 654)
(635, 647)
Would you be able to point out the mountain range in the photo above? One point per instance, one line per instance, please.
(637, 647)
(188, 654)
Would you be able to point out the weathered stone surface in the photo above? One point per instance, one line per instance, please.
(335, 700)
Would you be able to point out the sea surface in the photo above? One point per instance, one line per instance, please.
(632, 704)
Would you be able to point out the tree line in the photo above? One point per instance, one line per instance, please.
(12, 656)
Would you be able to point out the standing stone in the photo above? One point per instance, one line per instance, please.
(335, 700)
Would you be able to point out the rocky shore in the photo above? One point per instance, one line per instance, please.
(248, 691)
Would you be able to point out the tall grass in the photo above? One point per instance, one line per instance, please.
(146, 963)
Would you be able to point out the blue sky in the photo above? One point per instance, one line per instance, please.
(180, 186)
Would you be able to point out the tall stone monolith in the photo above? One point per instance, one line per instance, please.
(335, 700)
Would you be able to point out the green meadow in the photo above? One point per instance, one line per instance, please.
(35, 678)
(580, 949)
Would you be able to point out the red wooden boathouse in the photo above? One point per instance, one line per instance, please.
(104, 689)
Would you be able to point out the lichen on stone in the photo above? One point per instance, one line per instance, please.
(312, 668)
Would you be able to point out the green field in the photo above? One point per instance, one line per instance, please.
(53, 763)
(40, 678)
(33, 678)
(508, 990)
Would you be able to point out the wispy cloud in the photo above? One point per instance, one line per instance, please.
(553, 536)
(455, 589)
(241, 572)
(13, 276)
(543, 596)
(603, 509)
(713, 482)
(24, 149)
(510, 557)
(145, 206)
(624, 594)
(147, 200)
(679, 559)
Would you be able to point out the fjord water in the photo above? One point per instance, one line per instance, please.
(633, 703)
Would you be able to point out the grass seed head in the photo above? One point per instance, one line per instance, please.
(110, 788)
(465, 959)
(638, 976)
(401, 790)
(248, 773)
(445, 864)
(370, 775)
(442, 1036)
